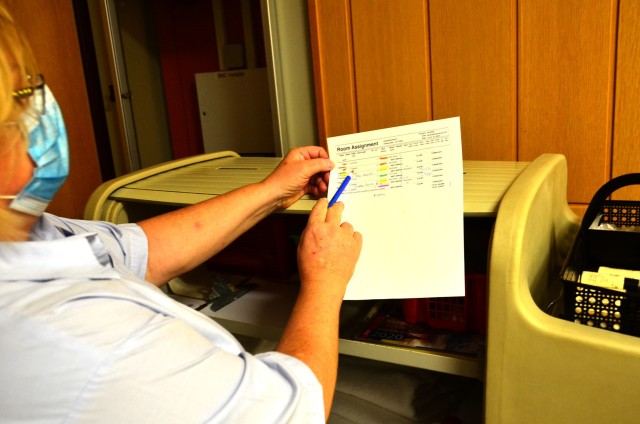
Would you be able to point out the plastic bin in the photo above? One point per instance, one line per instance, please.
(466, 313)
(609, 236)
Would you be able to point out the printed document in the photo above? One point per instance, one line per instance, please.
(405, 197)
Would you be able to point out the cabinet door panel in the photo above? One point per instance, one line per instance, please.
(330, 23)
(565, 87)
(391, 56)
(473, 65)
(626, 136)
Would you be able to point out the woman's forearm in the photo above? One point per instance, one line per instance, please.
(183, 239)
(311, 335)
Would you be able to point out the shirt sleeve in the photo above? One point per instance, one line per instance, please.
(126, 243)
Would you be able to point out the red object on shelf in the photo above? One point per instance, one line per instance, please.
(267, 250)
(466, 313)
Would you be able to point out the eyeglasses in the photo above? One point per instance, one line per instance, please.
(35, 91)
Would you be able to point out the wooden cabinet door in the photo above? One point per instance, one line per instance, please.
(626, 130)
(51, 29)
(391, 61)
(371, 64)
(473, 62)
(566, 63)
(525, 77)
(332, 51)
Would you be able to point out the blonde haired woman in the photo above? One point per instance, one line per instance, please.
(16, 63)
(86, 333)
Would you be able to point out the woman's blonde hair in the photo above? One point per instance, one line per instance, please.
(16, 62)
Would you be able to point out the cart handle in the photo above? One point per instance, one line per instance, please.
(605, 191)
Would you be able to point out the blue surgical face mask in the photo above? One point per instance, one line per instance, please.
(49, 150)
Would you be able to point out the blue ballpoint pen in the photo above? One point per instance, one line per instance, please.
(335, 197)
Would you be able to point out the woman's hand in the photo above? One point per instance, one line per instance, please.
(304, 170)
(328, 251)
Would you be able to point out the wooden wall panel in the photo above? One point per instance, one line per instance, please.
(391, 59)
(526, 77)
(565, 80)
(330, 25)
(626, 141)
(51, 29)
(473, 62)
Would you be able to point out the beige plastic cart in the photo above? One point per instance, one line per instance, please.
(538, 368)
(542, 369)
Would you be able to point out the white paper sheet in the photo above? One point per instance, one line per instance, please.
(405, 197)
